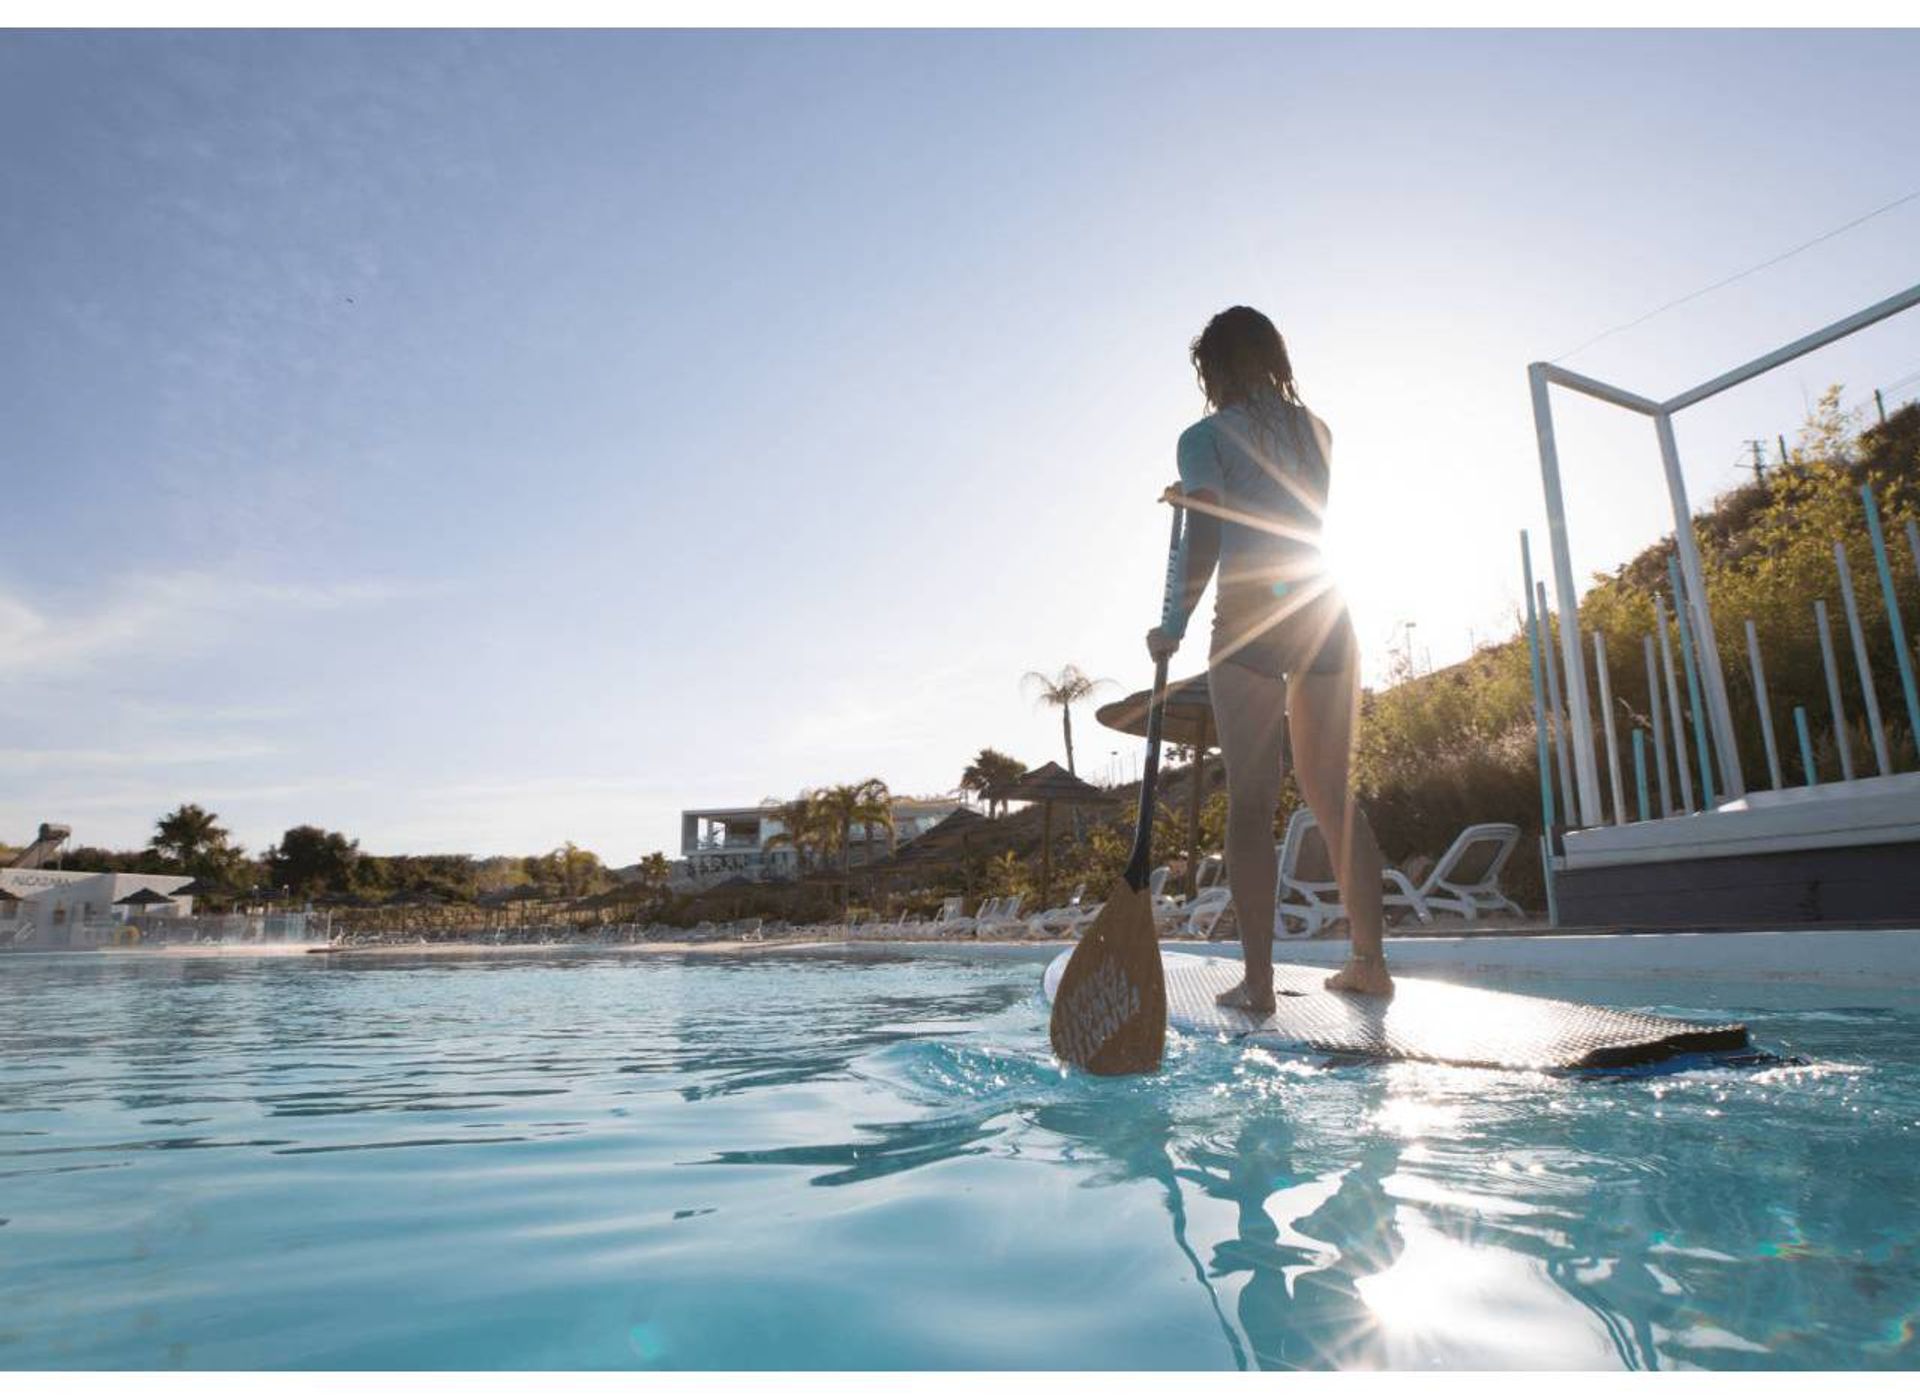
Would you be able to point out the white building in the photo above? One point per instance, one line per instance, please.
(43, 909)
(718, 843)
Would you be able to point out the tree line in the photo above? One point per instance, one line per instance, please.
(311, 863)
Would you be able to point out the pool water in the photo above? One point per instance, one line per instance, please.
(870, 1160)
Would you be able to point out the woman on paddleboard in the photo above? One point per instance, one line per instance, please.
(1253, 476)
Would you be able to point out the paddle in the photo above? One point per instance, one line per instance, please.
(1110, 1010)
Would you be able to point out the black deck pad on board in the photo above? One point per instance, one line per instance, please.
(1436, 1022)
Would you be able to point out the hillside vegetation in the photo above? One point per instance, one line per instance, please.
(1456, 746)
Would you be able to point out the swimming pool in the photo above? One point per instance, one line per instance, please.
(868, 1159)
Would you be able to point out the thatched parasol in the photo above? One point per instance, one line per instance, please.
(143, 899)
(1048, 784)
(1188, 720)
(953, 832)
(1189, 723)
(950, 841)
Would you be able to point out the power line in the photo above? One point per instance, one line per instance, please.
(1729, 281)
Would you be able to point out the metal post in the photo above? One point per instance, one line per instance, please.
(1559, 714)
(1539, 706)
(1860, 659)
(1640, 771)
(1569, 611)
(1693, 686)
(1654, 704)
(1673, 704)
(1606, 724)
(1760, 699)
(1840, 739)
(1806, 745)
(1732, 780)
(1773, 359)
(1546, 864)
(1902, 657)
(1536, 653)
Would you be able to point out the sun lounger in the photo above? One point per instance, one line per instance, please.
(1168, 909)
(952, 918)
(1066, 920)
(953, 921)
(1466, 879)
(1211, 874)
(998, 917)
(1204, 911)
(1308, 893)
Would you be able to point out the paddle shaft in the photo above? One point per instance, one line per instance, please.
(1140, 863)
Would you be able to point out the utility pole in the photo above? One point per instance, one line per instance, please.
(1759, 462)
(1880, 404)
(1781, 438)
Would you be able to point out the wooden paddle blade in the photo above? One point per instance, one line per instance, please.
(1110, 1010)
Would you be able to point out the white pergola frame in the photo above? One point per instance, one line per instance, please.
(1542, 374)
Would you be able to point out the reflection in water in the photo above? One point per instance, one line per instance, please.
(1303, 1244)
(1427, 1238)
(1296, 1268)
(900, 1147)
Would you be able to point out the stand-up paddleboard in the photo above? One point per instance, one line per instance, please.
(1436, 1022)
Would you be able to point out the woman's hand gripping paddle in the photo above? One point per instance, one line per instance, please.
(1110, 1009)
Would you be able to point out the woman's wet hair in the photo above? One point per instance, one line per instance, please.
(1238, 355)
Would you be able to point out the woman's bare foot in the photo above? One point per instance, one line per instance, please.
(1239, 998)
(1366, 976)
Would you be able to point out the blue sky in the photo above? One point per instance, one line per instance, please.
(474, 442)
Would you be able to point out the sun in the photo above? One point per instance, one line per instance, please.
(1379, 574)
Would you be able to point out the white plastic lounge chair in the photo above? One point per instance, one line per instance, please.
(989, 912)
(1205, 909)
(1311, 898)
(998, 916)
(1065, 920)
(1198, 915)
(1466, 880)
(1168, 909)
(952, 917)
(1308, 891)
(1211, 874)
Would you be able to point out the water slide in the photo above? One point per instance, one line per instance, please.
(42, 848)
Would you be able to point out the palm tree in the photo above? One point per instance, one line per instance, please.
(191, 839)
(991, 769)
(1065, 690)
(803, 827)
(186, 834)
(867, 804)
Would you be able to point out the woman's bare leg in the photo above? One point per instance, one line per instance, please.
(1325, 709)
(1250, 711)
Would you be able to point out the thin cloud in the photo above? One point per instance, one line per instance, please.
(66, 761)
(149, 614)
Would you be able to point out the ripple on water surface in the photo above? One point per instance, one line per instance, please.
(839, 1160)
